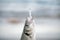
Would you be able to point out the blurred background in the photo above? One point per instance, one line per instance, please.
(46, 14)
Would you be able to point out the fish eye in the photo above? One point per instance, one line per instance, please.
(27, 34)
(26, 25)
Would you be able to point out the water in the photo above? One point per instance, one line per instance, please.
(45, 29)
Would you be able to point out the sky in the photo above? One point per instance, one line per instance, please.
(38, 6)
(51, 2)
(34, 4)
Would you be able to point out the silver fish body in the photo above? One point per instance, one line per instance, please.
(28, 32)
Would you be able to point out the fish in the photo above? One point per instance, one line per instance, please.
(28, 31)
